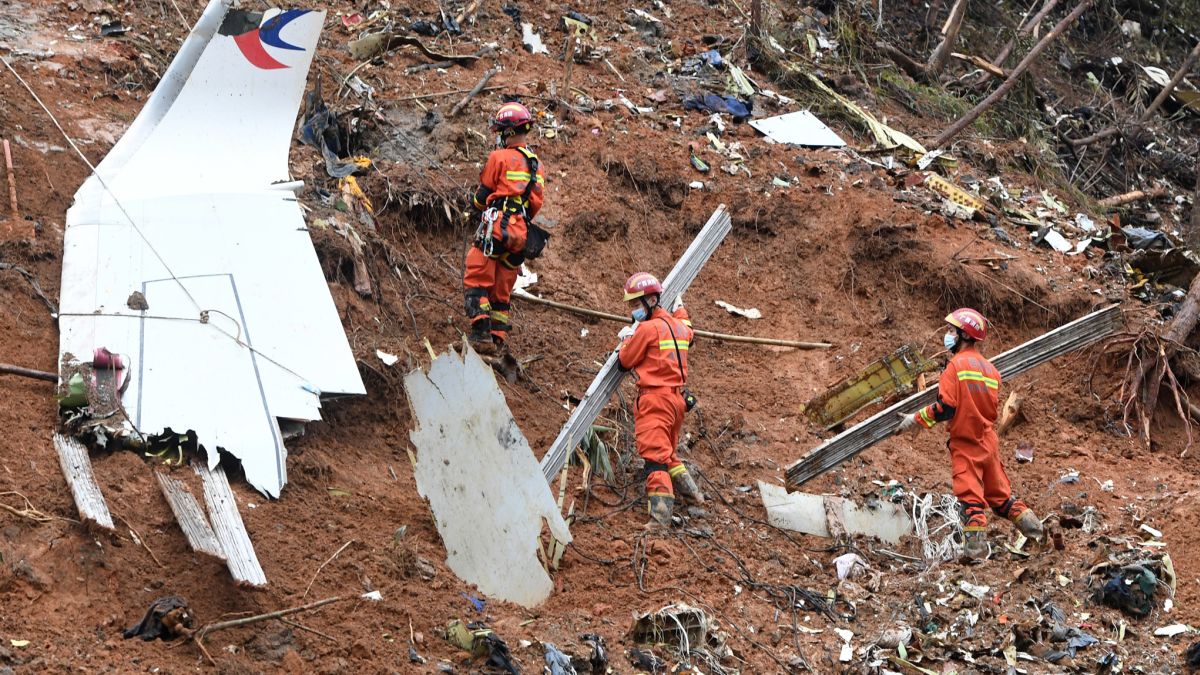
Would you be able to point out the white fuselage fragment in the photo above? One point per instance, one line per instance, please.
(484, 485)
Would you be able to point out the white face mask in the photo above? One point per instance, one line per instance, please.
(949, 340)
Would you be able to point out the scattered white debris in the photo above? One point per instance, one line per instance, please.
(1157, 534)
(525, 279)
(798, 128)
(751, 313)
(696, 185)
(583, 332)
(849, 566)
(973, 590)
(1168, 605)
(1106, 486)
(928, 158)
(847, 653)
(1083, 222)
(531, 40)
(1056, 241)
(373, 595)
(1173, 630)
(388, 359)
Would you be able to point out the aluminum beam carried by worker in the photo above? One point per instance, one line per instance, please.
(1062, 340)
(685, 271)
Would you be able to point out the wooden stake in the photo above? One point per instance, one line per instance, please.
(12, 180)
(570, 57)
(972, 115)
(702, 333)
(474, 91)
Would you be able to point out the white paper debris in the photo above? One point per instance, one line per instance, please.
(696, 185)
(1083, 222)
(1173, 630)
(373, 595)
(388, 359)
(525, 280)
(751, 313)
(1157, 534)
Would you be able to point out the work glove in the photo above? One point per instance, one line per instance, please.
(677, 303)
(907, 422)
(625, 334)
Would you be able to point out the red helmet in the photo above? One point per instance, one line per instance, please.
(511, 116)
(642, 283)
(970, 322)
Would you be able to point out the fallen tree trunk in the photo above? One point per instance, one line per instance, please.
(1154, 105)
(1136, 195)
(972, 115)
(941, 54)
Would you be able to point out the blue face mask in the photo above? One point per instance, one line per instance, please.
(639, 314)
(949, 340)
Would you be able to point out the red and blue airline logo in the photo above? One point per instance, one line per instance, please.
(251, 33)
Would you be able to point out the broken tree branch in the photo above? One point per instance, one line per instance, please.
(1152, 108)
(9, 369)
(1005, 51)
(1136, 195)
(491, 72)
(33, 282)
(701, 333)
(318, 572)
(972, 115)
(199, 635)
(1142, 385)
(941, 54)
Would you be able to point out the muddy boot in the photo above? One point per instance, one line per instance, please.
(481, 338)
(685, 487)
(1029, 525)
(975, 544)
(660, 511)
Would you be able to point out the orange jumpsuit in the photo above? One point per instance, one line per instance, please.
(968, 397)
(659, 362)
(488, 280)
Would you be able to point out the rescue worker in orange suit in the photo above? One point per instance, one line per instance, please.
(968, 397)
(656, 350)
(510, 194)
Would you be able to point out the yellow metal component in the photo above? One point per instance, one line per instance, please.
(894, 374)
(953, 192)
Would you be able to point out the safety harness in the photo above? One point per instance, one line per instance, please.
(689, 399)
(536, 237)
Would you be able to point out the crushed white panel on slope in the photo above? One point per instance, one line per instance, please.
(228, 527)
(609, 377)
(241, 329)
(190, 516)
(481, 479)
(808, 514)
(798, 128)
(77, 468)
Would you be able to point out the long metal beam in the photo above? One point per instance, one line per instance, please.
(605, 384)
(1062, 340)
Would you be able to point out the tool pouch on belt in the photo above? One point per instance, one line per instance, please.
(535, 241)
(689, 400)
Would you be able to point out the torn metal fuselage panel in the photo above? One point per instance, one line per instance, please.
(194, 209)
(881, 380)
(482, 481)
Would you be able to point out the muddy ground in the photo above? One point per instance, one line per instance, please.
(842, 254)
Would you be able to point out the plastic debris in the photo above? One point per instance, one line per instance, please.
(557, 663)
(388, 359)
(751, 313)
(847, 652)
(974, 590)
(1157, 534)
(373, 595)
(1173, 630)
(166, 619)
(849, 566)
(531, 40)
(714, 103)
(481, 642)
